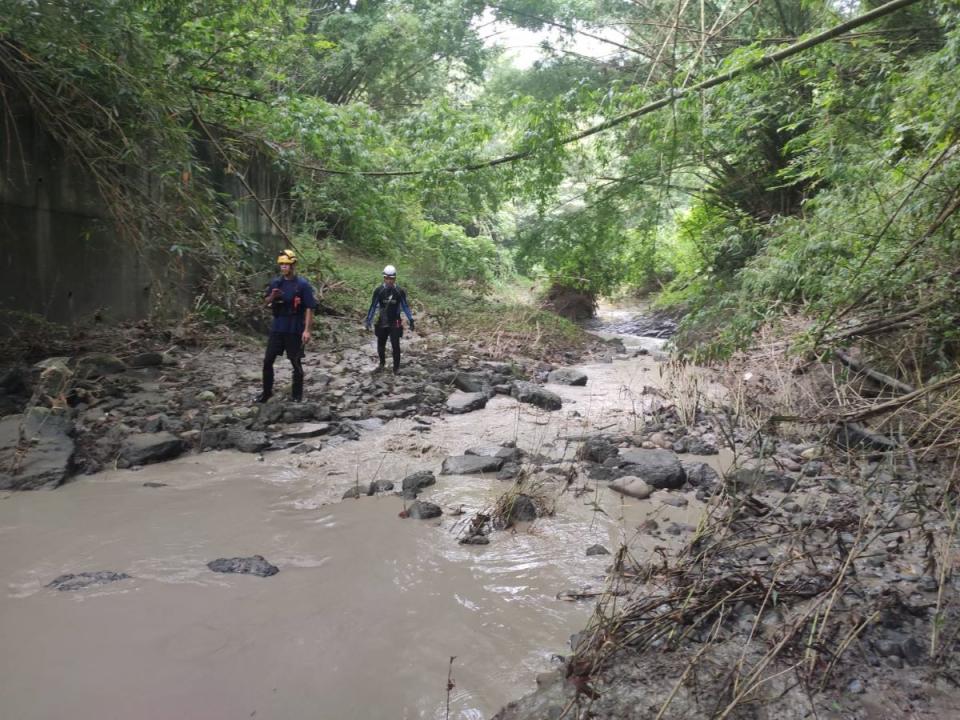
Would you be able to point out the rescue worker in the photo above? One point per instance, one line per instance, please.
(389, 299)
(292, 301)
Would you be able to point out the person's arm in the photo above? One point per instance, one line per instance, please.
(310, 303)
(273, 293)
(373, 308)
(406, 308)
(307, 322)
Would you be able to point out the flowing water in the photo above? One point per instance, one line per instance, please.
(367, 609)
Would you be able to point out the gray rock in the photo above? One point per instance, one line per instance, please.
(472, 383)
(855, 687)
(459, 402)
(95, 365)
(147, 359)
(527, 392)
(302, 412)
(694, 445)
(249, 441)
(420, 510)
(45, 460)
(400, 401)
(254, 565)
(307, 430)
(700, 474)
(414, 483)
(478, 539)
(568, 376)
(380, 486)
(632, 486)
(353, 493)
(597, 550)
(469, 464)
(522, 509)
(759, 480)
(146, 448)
(509, 471)
(154, 485)
(660, 468)
(509, 454)
(80, 581)
(598, 449)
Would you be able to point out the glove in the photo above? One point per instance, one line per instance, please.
(411, 326)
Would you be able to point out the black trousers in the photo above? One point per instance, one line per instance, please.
(277, 345)
(394, 333)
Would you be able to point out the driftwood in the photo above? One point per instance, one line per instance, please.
(887, 380)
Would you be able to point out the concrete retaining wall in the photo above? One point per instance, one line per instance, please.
(60, 256)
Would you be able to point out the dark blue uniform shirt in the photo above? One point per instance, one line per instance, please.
(290, 311)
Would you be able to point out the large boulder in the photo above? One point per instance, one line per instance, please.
(660, 468)
(527, 392)
(146, 448)
(568, 376)
(462, 402)
(36, 450)
(470, 464)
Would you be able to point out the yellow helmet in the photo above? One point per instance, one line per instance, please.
(287, 257)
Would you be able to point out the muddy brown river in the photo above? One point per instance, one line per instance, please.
(367, 609)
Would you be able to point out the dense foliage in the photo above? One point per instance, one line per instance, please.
(823, 185)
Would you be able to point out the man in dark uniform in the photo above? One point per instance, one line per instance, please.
(292, 301)
(388, 301)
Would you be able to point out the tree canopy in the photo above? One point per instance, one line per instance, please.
(723, 153)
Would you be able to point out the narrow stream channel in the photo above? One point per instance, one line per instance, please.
(367, 609)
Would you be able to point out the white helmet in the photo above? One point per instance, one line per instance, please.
(390, 271)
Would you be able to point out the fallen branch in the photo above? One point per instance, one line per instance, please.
(859, 367)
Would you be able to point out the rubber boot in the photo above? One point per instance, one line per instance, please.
(297, 392)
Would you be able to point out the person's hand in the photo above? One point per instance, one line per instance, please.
(411, 326)
(305, 338)
(366, 326)
(275, 294)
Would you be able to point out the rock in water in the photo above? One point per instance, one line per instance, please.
(421, 510)
(36, 450)
(469, 464)
(71, 582)
(527, 392)
(660, 468)
(414, 483)
(568, 376)
(254, 565)
(632, 486)
(146, 448)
